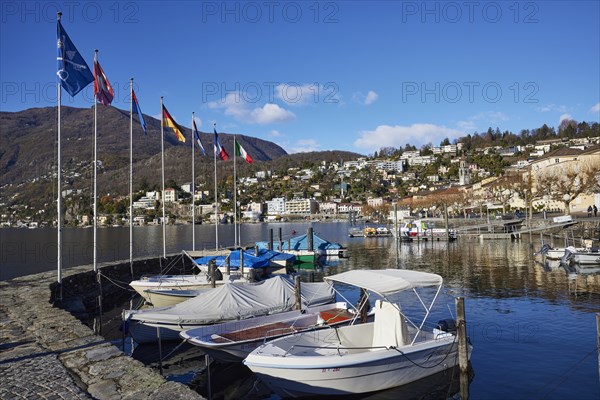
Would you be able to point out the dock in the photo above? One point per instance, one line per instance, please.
(46, 352)
(511, 229)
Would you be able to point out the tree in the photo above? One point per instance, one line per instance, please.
(567, 181)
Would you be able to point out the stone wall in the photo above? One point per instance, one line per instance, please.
(80, 290)
(46, 352)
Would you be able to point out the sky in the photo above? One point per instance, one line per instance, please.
(321, 75)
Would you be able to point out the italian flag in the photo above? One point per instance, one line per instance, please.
(240, 152)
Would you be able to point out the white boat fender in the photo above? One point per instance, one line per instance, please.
(320, 320)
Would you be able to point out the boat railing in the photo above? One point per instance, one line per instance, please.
(338, 348)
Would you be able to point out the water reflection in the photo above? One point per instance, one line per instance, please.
(532, 325)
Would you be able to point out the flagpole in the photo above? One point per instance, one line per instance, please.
(162, 152)
(216, 195)
(95, 175)
(59, 199)
(235, 235)
(193, 191)
(131, 176)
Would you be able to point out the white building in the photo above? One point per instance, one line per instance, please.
(256, 207)
(375, 202)
(301, 206)
(145, 203)
(276, 206)
(170, 195)
(328, 207)
(187, 187)
(153, 195)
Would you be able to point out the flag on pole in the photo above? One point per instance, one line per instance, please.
(136, 108)
(102, 88)
(197, 137)
(170, 122)
(241, 152)
(219, 150)
(73, 71)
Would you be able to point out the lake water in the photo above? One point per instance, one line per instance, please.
(533, 329)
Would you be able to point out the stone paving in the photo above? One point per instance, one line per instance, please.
(47, 353)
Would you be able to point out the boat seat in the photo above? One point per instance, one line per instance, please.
(389, 328)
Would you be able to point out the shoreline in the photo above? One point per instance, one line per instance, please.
(47, 352)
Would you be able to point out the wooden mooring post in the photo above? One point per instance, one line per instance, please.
(298, 292)
(208, 385)
(598, 333)
(280, 241)
(213, 273)
(463, 349)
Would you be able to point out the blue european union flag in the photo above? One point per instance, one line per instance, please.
(73, 71)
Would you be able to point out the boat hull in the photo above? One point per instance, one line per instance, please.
(371, 371)
(179, 282)
(233, 341)
(587, 258)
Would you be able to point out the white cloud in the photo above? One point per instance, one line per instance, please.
(482, 120)
(198, 122)
(564, 116)
(275, 133)
(305, 146)
(595, 109)
(367, 99)
(467, 126)
(270, 113)
(371, 97)
(397, 136)
(295, 94)
(553, 107)
(234, 106)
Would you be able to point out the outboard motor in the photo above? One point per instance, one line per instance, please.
(544, 249)
(569, 254)
(447, 325)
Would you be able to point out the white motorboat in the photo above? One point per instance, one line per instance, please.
(582, 257)
(225, 303)
(233, 341)
(170, 297)
(145, 285)
(555, 253)
(361, 358)
(425, 229)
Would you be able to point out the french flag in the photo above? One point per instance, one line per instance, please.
(219, 150)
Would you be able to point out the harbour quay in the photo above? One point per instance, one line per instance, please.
(47, 352)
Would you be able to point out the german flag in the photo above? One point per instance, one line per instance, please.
(170, 122)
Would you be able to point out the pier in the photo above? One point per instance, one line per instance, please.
(512, 229)
(47, 352)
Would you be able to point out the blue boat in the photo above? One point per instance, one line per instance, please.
(264, 259)
(321, 247)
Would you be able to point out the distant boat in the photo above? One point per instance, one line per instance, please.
(383, 231)
(355, 232)
(380, 231)
(299, 245)
(425, 229)
(582, 257)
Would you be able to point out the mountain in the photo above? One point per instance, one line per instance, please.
(28, 153)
